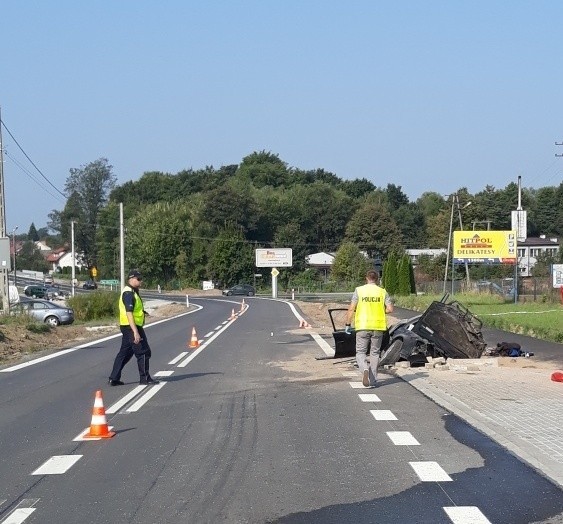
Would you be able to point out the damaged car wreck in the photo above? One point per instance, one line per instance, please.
(446, 329)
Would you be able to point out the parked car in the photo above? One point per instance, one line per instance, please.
(54, 293)
(240, 289)
(48, 280)
(90, 284)
(35, 291)
(44, 311)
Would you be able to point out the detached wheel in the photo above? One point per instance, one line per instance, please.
(392, 353)
(52, 321)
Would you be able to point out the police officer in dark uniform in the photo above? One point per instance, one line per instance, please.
(134, 341)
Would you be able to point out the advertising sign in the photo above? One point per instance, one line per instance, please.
(557, 271)
(485, 247)
(274, 257)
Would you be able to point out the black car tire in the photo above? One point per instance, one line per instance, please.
(229, 293)
(52, 321)
(390, 355)
(250, 294)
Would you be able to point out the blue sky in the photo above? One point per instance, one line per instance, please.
(428, 95)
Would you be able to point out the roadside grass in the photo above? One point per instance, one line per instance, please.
(536, 319)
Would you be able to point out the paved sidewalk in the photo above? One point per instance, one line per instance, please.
(521, 409)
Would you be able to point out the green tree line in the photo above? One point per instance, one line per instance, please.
(205, 224)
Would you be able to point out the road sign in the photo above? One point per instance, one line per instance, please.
(275, 272)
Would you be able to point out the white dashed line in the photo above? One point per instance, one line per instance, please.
(382, 414)
(369, 397)
(163, 373)
(19, 515)
(57, 465)
(357, 385)
(466, 515)
(430, 472)
(351, 374)
(209, 334)
(178, 358)
(402, 438)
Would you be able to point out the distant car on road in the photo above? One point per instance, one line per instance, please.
(35, 291)
(44, 311)
(240, 289)
(90, 284)
(48, 280)
(54, 293)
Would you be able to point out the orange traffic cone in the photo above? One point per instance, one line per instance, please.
(242, 304)
(233, 316)
(194, 342)
(99, 425)
(304, 324)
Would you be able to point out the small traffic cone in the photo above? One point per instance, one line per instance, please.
(304, 324)
(194, 342)
(99, 425)
(233, 316)
(242, 304)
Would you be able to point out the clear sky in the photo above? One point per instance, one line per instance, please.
(429, 95)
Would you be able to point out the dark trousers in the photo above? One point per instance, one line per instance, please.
(142, 352)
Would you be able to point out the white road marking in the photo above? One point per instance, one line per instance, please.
(402, 438)
(19, 515)
(57, 465)
(357, 385)
(218, 327)
(185, 362)
(88, 344)
(178, 358)
(120, 403)
(352, 374)
(145, 398)
(80, 437)
(163, 373)
(208, 334)
(369, 397)
(430, 472)
(329, 352)
(382, 414)
(466, 515)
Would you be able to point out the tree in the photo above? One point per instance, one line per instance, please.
(405, 276)
(32, 233)
(31, 258)
(87, 189)
(264, 169)
(396, 197)
(232, 258)
(372, 228)
(391, 274)
(349, 265)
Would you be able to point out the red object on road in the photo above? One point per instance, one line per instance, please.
(557, 376)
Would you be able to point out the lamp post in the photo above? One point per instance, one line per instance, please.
(461, 227)
(14, 254)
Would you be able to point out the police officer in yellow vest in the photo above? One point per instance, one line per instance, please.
(134, 341)
(370, 303)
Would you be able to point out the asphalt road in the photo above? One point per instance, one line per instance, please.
(237, 432)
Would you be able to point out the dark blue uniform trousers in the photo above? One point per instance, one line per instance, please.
(142, 352)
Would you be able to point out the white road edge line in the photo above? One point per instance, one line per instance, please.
(88, 344)
(57, 465)
(19, 515)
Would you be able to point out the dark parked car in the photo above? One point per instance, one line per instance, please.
(90, 284)
(44, 311)
(240, 289)
(56, 293)
(35, 291)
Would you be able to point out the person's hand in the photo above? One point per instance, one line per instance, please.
(348, 329)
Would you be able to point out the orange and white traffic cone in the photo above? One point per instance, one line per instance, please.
(233, 316)
(99, 425)
(304, 324)
(242, 304)
(194, 342)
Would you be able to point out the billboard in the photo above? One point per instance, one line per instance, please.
(485, 247)
(274, 257)
(557, 272)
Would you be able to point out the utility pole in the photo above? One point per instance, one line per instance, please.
(121, 246)
(4, 269)
(73, 267)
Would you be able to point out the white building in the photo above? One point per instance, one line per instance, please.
(529, 249)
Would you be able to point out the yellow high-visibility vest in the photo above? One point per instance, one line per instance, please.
(138, 310)
(370, 309)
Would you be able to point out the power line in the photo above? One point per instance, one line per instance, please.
(31, 161)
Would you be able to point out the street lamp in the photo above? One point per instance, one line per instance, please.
(14, 255)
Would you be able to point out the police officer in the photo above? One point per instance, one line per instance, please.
(133, 341)
(370, 303)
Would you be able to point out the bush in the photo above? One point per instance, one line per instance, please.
(95, 306)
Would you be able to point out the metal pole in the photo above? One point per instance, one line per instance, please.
(122, 246)
(448, 251)
(461, 227)
(3, 272)
(14, 250)
(72, 257)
